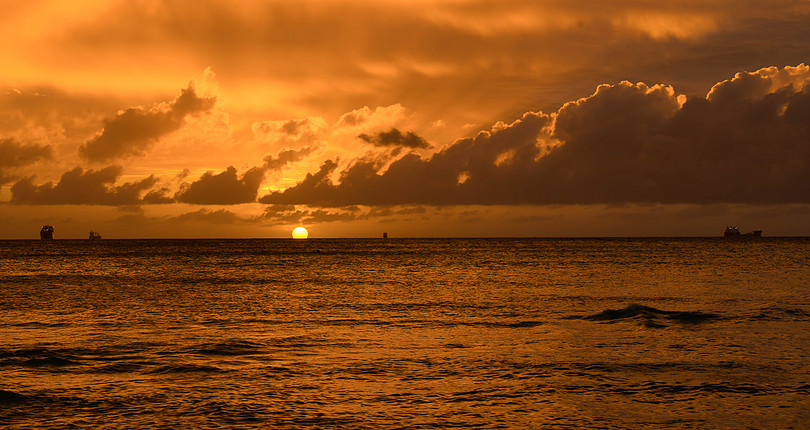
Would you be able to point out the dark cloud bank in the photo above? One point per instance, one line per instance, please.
(135, 130)
(287, 156)
(93, 187)
(228, 188)
(15, 154)
(225, 188)
(79, 187)
(748, 141)
(395, 138)
(289, 214)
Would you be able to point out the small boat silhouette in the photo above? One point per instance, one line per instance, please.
(94, 235)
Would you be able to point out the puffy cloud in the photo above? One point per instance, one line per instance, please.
(220, 216)
(313, 185)
(225, 188)
(286, 157)
(366, 117)
(16, 154)
(468, 171)
(321, 216)
(134, 130)
(79, 187)
(302, 138)
(394, 137)
(282, 214)
(289, 214)
(748, 86)
(295, 130)
(747, 142)
(394, 211)
(158, 196)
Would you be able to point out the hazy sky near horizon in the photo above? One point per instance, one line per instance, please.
(181, 118)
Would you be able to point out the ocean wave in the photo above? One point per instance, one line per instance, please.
(516, 324)
(775, 313)
(185, 368)
(277, 371)
(802, 389)
(48, 361)
(232, 321)
(417, 322)
(604, 369)
(37, 324)
(454, 345)
(36, 357)
(7, 397)
(288, 342)
(122, 367)
(669, 392)
(649, 316)
(713, 388)
(230, 347)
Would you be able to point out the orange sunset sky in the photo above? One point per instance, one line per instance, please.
(210, 118)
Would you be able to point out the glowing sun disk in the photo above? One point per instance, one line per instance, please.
(300, 233)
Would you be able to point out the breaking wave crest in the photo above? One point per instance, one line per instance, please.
(651, 317)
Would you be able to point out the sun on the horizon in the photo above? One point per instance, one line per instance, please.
(300, 233)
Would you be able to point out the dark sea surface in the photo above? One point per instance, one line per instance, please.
(406, 333)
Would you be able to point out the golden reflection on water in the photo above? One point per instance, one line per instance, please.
(514, 333)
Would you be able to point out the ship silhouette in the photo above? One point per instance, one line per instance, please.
(46, 233)
(732, 231)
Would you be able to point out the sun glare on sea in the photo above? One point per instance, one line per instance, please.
(300, 233)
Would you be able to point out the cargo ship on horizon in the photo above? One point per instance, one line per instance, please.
(732, 231)
(46, 233)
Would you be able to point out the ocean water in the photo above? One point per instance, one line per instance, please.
(406, 333)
